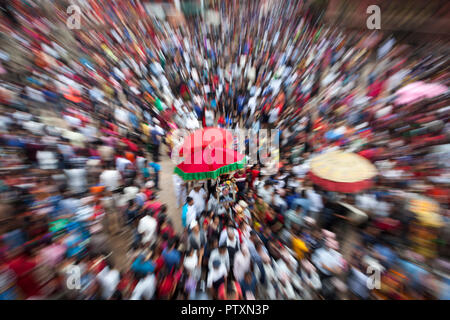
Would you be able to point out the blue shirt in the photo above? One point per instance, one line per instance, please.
(155, 135)
(141, 266)
(183, 215)
(304, 203)
(134, 120)
(290, 200)
(248, 286)
(386, 252)
(172, 258)
(155, 166)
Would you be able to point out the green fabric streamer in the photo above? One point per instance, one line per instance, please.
(210, 174)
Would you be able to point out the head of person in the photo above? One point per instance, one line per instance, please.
(231, 292)
(222, 249)
(248, 277)
(190, 201)
(172, 243)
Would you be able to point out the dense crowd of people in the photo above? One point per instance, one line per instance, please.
(87, 114)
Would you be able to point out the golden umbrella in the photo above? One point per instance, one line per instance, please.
(340, 171)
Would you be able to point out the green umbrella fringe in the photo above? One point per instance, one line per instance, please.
(197, 176)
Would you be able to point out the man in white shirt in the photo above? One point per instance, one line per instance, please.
(327, 260)
(366, 202)
(199, 196)
(111, 179)
(316, 202)
(191, 213)
(266, 192)
(76, 179)
(242, 261)
(216, 275)
(224, 235)
(179, 188)
(220, 254)
(147, 228)
(145, 289)
(121, 163)
(108, 279)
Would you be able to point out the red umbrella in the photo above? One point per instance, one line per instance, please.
(209, 137)
(210, 163)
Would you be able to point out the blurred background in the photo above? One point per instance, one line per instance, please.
(92, 207)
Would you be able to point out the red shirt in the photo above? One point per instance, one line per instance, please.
(154, 206)
(221, 293)
(26, 281)
(255, 174)
(238, 175)
(133, 147)
(159, 264)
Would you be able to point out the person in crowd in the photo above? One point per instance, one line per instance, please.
(198, 194)
(147, 228)
(197, 237)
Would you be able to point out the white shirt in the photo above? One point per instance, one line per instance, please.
(76, 179)
(140, 162)
(213, 203)
(147, 226)
(366, 202)
(75, 122)
(382, 209)
(216, 274)
(145, 289)
(328, 257)
(47, 160)
(199, 200)
(209, 118)
(224, 236)
(316, 200)
(110, 179)
(266, 195)
(191, 262)
(241, 265)
(121, 115)
(121, 163)
(34, 127)
(108, 279)
(35, 94)
(191, 214)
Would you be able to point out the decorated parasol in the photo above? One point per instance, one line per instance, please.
(206, 138)
(342, 172)
(210, 164)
